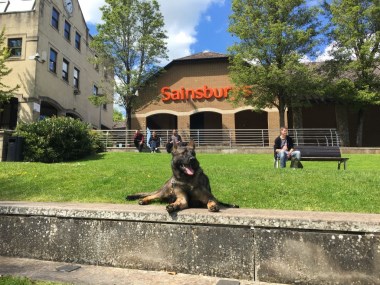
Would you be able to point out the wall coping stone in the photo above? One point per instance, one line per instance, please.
(243, 217)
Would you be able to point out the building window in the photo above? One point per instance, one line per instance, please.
(15, 46)
(96, 64)
(105, 72)
(67, 32)
(95, 90)
(55, 18)
(65, 70)
(77, 40)
(53, 61)
(76, 78)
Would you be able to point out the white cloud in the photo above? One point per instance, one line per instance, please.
(91, 12)
(181, 19)
(325, 54)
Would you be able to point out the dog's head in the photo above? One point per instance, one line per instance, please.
(184, 162)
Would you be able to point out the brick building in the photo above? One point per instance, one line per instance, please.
(191, 94)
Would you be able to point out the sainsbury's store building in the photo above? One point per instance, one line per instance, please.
(192, 94)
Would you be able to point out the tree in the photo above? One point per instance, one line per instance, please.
(355, 34)
(133, 37)
(274, 35)
(6, 92)
(117, 116)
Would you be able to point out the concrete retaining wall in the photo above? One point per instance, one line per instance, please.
(262, 245)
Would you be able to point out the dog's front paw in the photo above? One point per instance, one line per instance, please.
(171, 208)
(142, 202)
(213, 207)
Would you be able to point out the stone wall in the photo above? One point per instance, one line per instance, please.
(290, 247)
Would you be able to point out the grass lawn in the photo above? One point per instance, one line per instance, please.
(248, 180)
(10, 280)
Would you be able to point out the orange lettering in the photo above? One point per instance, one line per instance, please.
(200, 93)
(166, 92)
(176, 95)
(208, 92)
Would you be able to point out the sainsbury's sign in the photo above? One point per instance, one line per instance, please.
(184, 94)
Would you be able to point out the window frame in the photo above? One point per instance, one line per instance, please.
(55, 20)
(15, 48)
(67, 33)
(78, 39)
(65, 73)
(76, 78)
(53, 61)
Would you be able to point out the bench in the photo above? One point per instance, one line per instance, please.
(319, 153)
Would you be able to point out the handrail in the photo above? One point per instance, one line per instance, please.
(228, 138)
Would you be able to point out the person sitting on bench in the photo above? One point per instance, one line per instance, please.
(138, 140)
(284, 149)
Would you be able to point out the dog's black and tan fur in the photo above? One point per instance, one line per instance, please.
(189, 187)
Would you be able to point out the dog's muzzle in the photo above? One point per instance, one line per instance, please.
(188, 168)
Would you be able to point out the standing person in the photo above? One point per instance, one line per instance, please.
(154, 142)
(138, 140)
(284, 149)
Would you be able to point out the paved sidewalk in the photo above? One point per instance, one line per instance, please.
(100, 275)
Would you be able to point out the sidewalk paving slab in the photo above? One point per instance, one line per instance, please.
(101, 275)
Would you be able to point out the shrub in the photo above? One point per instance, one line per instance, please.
(58, 139)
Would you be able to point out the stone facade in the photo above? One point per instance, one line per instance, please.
(44, 89)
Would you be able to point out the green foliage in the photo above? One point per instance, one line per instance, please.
(355, 31)
(58, 139)
(6, 92)
(118, 116)
(132, 36)
(266, 63)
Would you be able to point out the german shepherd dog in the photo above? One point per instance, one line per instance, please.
(189, 187)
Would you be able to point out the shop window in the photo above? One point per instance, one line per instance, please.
(55, 18)
(67, 32)
(77, 40)
(53, 61)
(15, 46)
(65, 70)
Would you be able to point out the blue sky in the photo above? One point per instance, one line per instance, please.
(192, 25)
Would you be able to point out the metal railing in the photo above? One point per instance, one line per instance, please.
(227, 138)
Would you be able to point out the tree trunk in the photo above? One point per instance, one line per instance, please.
(297, 124)
(359, 132)
(128, 118)
(341, 114)
(297, 118)
(281, 110)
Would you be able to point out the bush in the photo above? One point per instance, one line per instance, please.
(58, 139)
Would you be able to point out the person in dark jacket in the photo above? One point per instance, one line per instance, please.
(138, 140)
(284, 149)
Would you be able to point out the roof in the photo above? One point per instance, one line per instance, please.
(7, 6)
(203, 55)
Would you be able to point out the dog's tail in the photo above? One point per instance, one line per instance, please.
(228, 205)
(137, 196)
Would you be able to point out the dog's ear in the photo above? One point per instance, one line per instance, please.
(191, 144)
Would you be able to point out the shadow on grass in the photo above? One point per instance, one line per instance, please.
(98, 156)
